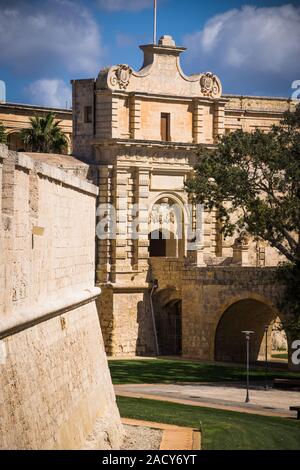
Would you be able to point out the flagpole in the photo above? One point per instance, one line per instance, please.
(155, 15)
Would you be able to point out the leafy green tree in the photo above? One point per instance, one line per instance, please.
(3, 137)
(44, 135)
(253, 180)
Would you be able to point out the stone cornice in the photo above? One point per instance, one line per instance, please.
(108, 143)
(163, 96)
(249, 112)
(30, 107)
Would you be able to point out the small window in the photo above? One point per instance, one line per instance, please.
(165, 121)
(88, 114)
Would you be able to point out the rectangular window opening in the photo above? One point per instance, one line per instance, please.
(88, 114)
(165, 123)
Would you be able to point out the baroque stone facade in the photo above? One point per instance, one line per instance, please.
(54, 379)
(142, 138)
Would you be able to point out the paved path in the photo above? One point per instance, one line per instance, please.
(173, 437)
(218, 396)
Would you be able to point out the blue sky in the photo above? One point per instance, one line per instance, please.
(254, 46)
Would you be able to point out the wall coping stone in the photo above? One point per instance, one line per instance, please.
(26, 162)
(41, 312)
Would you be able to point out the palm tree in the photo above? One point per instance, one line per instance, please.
(3, 138)
(45, 135)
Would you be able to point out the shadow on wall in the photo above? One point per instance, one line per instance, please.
(247, 314)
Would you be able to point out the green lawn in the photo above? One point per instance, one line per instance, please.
(168, 371)
(280, 355)
(221, 430)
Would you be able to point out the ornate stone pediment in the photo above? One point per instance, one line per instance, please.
(161, 73)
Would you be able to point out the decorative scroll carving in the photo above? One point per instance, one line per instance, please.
(163, 212)
(210, 85)
(120, 76)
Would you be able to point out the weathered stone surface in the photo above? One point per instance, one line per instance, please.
(137, 167)
(55, 383)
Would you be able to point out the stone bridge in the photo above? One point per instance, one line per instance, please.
(201, 311)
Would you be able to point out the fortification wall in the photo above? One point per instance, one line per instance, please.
(56, 389)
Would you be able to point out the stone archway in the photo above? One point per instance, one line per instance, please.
(167, 228)
(168, 320)
(245, 314)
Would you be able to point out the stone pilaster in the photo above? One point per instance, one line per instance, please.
(219, 119)
(241, 253)
(114, 117)
(103, 245)
(134, 116)
(209, 232)
(142, 184)
(198, 122)
(122, 263)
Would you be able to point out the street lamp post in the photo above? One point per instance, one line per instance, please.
(247, 336)
(266, 356)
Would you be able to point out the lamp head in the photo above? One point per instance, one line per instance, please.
(247, 333)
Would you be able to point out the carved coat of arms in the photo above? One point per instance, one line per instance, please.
(210, 85)
(120, 76)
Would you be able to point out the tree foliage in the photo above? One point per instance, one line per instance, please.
(257, 176)
(45, 135)
(3, 137)
(253, 180)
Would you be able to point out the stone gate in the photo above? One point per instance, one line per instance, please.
(141, 131)
(218, 303)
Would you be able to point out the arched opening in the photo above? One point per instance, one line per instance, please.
(166, 229)
(168, 321)
(169, 329)
(162, 243)
(246, 314)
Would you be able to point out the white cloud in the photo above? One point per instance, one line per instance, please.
(130, 5)
(39, 37)
(54, 93)
(259, 46)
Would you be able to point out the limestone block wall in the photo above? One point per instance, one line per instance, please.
(206, 293)
(181, 116)
(126, 321)
(56, 390)
(82, 97)
(251, 112)
(3, 157)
